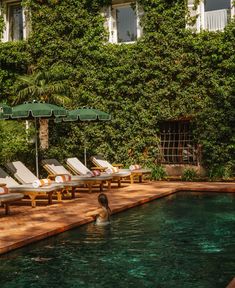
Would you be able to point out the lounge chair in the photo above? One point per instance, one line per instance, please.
(25, 176)
(78, 167)
(53, 167)
(7, 198)
(99, 161)
(28, 189)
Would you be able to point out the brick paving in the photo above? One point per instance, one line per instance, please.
(25, 225)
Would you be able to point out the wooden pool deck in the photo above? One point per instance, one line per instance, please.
(25, 225)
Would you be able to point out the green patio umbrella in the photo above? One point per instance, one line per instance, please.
(5, 111)
(85, 115)
(36, 110)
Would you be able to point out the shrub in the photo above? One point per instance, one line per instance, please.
(189, 174)
(220, 172)
(15, 143)
(158, 173)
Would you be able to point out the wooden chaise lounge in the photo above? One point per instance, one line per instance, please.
(54, 168)
(29, 190)
(99, 161)
(8, 198)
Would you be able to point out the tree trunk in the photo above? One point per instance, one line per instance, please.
(43, 134)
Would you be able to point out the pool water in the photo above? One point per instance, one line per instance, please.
(185, 240)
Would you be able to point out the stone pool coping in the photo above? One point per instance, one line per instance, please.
(26, 225)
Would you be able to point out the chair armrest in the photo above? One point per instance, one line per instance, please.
(119, 165)
(52, 176)
(99, 168)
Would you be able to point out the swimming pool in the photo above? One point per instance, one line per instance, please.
(186, 240)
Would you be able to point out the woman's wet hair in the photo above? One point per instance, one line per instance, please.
(103, 200)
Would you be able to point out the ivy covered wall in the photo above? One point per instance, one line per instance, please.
(169, 73)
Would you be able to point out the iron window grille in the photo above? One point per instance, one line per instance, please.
(176, 144)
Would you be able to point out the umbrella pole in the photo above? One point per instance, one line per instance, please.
(36, 148)
(85, 150)
(85, 155)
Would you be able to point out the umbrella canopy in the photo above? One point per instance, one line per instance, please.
(85, 114)
(31, 110)
(5, 111)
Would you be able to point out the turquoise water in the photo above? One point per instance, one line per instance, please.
(186, 241)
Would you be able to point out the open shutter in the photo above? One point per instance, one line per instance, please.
(140, 13)
(232, 9)
(27, 22)
(113, 24)
(106, 13)
(110, 23)
(194, 16)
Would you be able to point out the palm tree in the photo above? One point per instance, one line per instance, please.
(43, 86)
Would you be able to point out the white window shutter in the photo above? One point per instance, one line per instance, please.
(110, 23)
(232, 9)
(27, 22)
(195, 15)
(140, 13)
(105, 12)
(24, 15)
(113, 24)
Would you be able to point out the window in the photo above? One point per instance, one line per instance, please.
(15, 21)
(15, 18)
(212, 15)
(123, 22)
(211, 5)
(176, 145)
(126, 24)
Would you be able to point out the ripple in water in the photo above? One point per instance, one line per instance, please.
(184, 241)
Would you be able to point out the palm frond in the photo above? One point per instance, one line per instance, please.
(44, 85)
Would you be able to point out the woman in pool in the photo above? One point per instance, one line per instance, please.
(102, 214)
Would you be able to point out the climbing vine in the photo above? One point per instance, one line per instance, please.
(169, 73)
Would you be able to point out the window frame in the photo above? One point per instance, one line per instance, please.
(112, 22)
(200, 12)
(6, 4)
